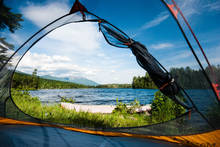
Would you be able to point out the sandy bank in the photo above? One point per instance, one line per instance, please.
(98, 108)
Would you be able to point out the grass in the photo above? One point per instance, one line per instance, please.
(163, 109)
(55, 113)
(67, 100)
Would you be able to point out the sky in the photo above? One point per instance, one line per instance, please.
(79, 49)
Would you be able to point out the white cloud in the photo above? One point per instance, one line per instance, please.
(55, 65)
(41, 15)
(190, 7)
(79, 37)
(75, 50)
(162, 46)
(71, 38)
(213, 6)
(16, 38)
(156, 21)
(179, 59)
(152, 23)
(182, 55)
(63, 66)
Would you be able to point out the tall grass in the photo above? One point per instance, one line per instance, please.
(55, 113)
(163, 109)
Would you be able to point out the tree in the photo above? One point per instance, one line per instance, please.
(144, 82)
(12, 22)
(9, 19)
(4, 46)
(35, 79)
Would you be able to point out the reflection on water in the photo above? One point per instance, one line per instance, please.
(96, 96)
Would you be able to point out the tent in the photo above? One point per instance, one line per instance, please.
(195, 127)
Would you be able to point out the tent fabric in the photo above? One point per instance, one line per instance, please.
(174, 9)
(26, 135)
(209, 138)
(184, 129)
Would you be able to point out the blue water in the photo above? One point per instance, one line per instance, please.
(203, 99)
(96, 96)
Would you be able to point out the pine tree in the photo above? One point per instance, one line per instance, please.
(12, 22)
(9, 19)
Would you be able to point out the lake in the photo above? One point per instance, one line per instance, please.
(107, 96)
(96, 96)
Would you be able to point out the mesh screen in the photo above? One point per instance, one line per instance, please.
(179, 126)
(201, 93)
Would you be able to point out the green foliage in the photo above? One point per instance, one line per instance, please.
(120, 107)
(32, 82)
(143, 82)
(54, 113)
(26, 102)
(9, 19)
(187, 78)
(164, 109)
(12, 22)
(67, 100)
(126, 109)
(194, 79)
(134, 106)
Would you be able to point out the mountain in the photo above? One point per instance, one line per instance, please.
(78, 80)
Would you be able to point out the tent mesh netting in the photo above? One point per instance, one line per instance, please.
(202, 117)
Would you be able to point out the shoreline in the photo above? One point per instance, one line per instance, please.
(99, 108)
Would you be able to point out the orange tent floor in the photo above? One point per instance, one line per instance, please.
(21, 133)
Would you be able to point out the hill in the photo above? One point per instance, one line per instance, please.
(78, 80)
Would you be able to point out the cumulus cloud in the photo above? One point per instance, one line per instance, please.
(79, 37)
(63, 66)
(41, 15)
(162, 46)
(76, 49)
(54, 65)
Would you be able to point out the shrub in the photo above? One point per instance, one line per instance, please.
(67, 100)
(124, 108)
(55, 113)
(164, 109)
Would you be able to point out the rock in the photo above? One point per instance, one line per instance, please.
(88, 108)
(99, 108)
(145, 108)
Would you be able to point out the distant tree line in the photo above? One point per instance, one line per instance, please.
(194, 79)
(32, 82)
(144, 82)
(187, 78)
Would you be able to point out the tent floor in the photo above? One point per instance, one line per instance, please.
(22, 135)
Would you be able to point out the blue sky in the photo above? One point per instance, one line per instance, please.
(80, 50)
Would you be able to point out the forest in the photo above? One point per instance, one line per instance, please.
(33, 82)
(144, 82)
(187, 78)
